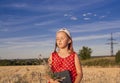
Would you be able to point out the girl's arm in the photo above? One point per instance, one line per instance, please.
(48, 77)
(78, 69)
(50, 60)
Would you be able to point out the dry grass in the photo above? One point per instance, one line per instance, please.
(101, 75)
(32, 74)
(22, 74)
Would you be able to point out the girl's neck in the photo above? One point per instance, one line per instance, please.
(63, 52)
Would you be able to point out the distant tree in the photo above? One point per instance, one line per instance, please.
(117, 56)
(5, 62)
(85, 53)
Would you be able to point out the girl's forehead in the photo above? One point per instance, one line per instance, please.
(61, 33)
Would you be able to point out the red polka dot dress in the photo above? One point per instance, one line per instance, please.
(61, 64)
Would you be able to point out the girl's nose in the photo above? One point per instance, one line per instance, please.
(59, 40)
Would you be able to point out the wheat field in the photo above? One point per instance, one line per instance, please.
(36, 74)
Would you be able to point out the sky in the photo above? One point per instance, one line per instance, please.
(28, 27)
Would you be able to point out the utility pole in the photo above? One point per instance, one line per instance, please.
(111, 43)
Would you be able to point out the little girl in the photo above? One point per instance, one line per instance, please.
(64, 58)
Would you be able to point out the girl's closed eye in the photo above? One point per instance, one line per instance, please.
(60, 39)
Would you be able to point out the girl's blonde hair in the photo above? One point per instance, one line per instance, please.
(70, 45)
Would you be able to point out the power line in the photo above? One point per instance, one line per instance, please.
(111, 43)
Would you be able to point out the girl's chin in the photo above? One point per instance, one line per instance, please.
(61, 47)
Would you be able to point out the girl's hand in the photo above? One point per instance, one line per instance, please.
(53, 81)
(49, 62)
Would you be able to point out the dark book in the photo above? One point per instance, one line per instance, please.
(64, 76)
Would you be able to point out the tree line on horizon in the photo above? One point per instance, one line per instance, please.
(84, 53)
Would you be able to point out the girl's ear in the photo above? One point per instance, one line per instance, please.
(69, 41)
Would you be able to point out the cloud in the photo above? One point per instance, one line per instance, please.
(23, 38)
(17, 23)
(3, 30)
(69, 15)
(65, 14)
(96, 26)
(86, 18)
(23, 45)
(46, 22)
(52, 5)
(91, 37)
(87, 14)
(73, 18)
(95, 15)
(84, 15)
(15, 5)
(19, 5)
(101, 17)
(25, 42)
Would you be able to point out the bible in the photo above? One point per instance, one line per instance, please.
(63, 76)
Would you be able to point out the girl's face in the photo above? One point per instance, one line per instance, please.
(62, 40)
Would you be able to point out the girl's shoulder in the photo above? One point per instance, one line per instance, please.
(73, 53)
(53, 53)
